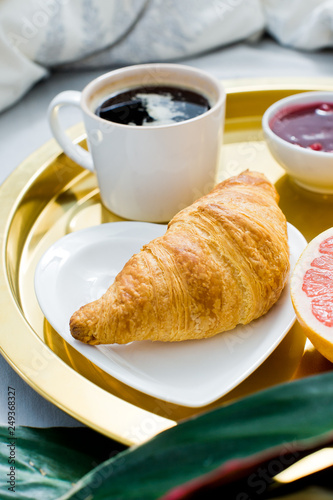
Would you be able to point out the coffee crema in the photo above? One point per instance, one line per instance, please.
(153, 106)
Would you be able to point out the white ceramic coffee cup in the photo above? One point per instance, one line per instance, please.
(147, 173)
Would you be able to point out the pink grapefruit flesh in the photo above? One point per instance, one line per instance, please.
(312, 292)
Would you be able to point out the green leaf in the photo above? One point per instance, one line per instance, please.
(47, 462)
(288, 413)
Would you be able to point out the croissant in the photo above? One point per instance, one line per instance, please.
(223, 261)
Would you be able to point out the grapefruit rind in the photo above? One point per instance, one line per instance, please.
(319, 334)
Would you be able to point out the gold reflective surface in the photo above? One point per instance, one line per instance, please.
(49, 196)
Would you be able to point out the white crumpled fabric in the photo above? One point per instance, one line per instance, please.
(302, 24)
(38, 35)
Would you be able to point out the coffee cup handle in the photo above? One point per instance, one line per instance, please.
(75, 152)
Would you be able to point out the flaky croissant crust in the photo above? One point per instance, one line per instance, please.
(223, 261)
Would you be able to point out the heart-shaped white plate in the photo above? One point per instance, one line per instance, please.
(79, 267)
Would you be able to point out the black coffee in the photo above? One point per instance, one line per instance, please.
(153, 105)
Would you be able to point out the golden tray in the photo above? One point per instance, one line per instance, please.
(48, 196)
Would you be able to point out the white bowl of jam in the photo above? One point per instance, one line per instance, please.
(299, 133)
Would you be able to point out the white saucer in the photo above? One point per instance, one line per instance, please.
(79, 267)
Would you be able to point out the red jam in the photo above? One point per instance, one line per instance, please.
(308, 126)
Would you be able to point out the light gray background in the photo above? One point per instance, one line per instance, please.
(24, 128)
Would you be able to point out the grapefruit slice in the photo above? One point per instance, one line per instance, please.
(311, 289)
